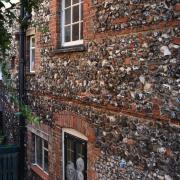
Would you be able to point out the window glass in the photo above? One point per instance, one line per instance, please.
(39, 150)
(81, 11)
(33, 42)
(46, 144)
(70, 150)
(75, 1)
(46, 160)
(81, 33)
(75, 13)
(33, 148)
(67, 33)
(67, 3)
(75, 159)
(75, 32)
(68, 16)
(32, 54)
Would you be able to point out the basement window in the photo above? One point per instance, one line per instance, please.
(40, 152)
(75, 157)
(72, 22)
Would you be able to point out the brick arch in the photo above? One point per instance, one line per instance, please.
(66, 119)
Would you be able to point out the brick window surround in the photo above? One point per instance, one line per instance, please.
(68, 120)
(42, 131)
(55, 26)
(63, 120)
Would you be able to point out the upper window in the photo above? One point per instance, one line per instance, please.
(72, 22)
(32, 53)
(40, 152)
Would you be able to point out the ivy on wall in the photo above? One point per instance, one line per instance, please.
(6, 20)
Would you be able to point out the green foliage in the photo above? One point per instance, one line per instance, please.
(6, 20)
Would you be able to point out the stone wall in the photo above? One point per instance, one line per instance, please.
(136, 72)
(9, 121)
(124, 84)
(119, 14)
(150, 149)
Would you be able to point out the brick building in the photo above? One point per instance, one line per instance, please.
(103, 76)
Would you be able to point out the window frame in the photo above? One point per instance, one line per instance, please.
(30, 52)
(35, 153)
(80, 22)
(77, 135)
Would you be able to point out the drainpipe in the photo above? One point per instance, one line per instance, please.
(22, 127)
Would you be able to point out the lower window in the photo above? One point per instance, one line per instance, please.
(40, 152)
(75, 158)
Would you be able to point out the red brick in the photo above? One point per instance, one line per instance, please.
(176, 40)
(127, 61)
(120, 20)
(177, 7)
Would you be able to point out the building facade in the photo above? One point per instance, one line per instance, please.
(103, 77)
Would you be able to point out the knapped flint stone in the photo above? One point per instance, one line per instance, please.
(102, 73)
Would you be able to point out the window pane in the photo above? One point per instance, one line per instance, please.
(75, 32)
(33, 42)
(67, 3)
(46, 160)
(70, 150)
(45, 144)
(81, 33)
(67, 34)
(33, 148)
(70, 144)
(32, 59)
(33, 55)
(68, 16)
(75, 1)
(81, 11)
(39, 150)
(79, 150)
(76, 13)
